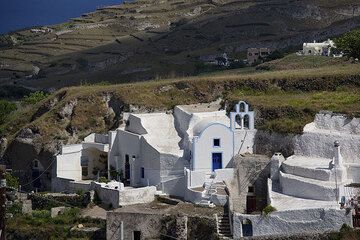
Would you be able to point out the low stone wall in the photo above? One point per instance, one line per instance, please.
(193, 196)
(78, 186)
(107, 195)
(293, 222)
(122, 225)
(60, 184)
(159, 226)
(50, 200)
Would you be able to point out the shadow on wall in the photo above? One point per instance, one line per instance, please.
(267, 143)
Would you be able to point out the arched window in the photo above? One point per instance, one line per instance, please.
(246, 121)
(242, 107)
(247, 228)
(238, 124)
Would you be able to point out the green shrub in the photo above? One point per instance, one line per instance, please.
(44, 214)
(6, 108)
(68, 217)
(80, 192)
(269, 209)
(103, 180)
(35, 97)
(349, 43)
(345, 228)
(15, 208)
(11, 181)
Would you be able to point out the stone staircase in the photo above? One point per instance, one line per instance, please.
(223, 226)
(209, 189)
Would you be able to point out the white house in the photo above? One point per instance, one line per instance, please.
(318, 48)
(181, 154)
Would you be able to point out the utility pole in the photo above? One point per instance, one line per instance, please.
(2, 201)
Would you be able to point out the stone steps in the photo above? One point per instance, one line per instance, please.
(223, 225)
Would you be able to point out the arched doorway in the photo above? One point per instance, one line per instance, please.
(247, 228)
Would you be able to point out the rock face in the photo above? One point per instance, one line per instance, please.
(268, 143)
(31, 152)
(319, 136)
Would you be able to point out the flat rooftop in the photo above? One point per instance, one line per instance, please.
(184, 208)
(202, 107)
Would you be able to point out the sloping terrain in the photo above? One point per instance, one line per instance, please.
(284, 101)
(152, 39)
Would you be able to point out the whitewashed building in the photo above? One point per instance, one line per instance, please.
(187, 153)
(318, 48)
(317, 188)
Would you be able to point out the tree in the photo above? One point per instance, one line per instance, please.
(349, 43)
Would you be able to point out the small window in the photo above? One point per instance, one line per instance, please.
(251, 189)
(217, 142)
(142, 170)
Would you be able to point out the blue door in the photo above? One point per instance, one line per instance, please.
(216, 161)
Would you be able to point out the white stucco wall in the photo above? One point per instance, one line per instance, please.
(293, 222)
(175, 186)
(195, 178)
(319, 136)
(244, 141)
(68, 164)
(126, 143)
(307, 188)
(203, 147)
(137, 195)
(226, 174)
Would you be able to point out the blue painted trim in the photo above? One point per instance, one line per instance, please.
(212, 161)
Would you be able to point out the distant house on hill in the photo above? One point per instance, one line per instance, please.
(318, 48)
(216, 59)
(257, 54)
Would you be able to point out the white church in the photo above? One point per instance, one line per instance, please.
(187, 153)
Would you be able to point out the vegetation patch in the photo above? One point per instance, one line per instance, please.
(40, 225)
(269, 209)
(46, 202)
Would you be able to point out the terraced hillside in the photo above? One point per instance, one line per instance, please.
(149, 39)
